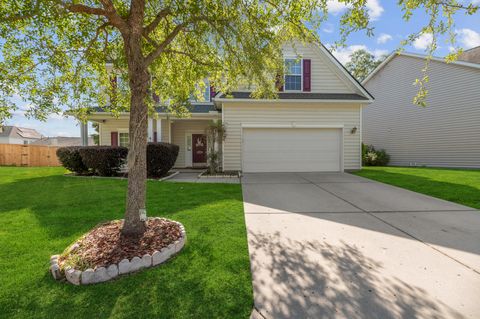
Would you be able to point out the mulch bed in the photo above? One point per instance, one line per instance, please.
(104, 245)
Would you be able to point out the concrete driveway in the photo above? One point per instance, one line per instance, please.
(334, 245)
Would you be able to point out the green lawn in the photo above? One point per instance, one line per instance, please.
(455, 185)
(42, 211)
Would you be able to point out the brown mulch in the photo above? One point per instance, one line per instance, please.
(104, 245)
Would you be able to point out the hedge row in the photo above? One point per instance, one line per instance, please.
(108, 160)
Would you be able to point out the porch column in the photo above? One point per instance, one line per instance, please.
(159, 130)
(215, 147)
(84, 133)
(150, 130)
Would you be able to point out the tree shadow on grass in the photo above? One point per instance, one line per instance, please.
(210, 278)
(344, 284)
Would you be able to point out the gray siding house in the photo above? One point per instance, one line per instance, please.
(445, 133)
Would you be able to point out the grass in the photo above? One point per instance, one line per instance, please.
(42, 212)
(461, 186)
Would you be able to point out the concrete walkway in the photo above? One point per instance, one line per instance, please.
(335, 245)
(192, 177)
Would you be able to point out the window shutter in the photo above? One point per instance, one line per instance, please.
(114, 138)
(212, 92)
(155, 137)
(278, 83)
(307, 75)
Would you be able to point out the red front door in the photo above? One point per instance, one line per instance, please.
(199, 148)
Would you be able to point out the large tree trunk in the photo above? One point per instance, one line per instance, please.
(135, 214)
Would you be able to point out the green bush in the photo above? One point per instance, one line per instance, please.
(70, 158)
(373, 157)
(160, 158)
(103, 160)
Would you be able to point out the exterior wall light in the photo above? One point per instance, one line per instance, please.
(353, 130)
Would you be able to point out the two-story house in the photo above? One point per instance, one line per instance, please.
(313, 125)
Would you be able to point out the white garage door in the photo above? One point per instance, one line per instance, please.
(291, 149)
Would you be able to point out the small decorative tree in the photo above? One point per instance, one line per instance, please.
(215, 134)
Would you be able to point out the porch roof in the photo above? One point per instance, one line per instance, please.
(201, 108)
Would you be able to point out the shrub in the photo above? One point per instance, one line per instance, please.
(160, 158)
(70, 158)
(103, 160)
(373, 157)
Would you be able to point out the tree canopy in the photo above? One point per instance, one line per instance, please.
(54, 55)
(362, 63)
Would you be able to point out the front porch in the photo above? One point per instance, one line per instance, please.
(188, 133)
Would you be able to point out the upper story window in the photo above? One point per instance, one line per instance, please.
(293, 75)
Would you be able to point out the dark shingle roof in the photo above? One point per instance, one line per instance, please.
(194, 108)
(306, 96)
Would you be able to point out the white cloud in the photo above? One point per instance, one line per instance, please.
(335, 7)
(374, 8)
(384, 38)
(423, 41)
(343, 54)
(468, 38)
(328, 28)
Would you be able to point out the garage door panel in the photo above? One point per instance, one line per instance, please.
(291, 150)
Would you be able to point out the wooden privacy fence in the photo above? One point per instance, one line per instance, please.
(28, 155)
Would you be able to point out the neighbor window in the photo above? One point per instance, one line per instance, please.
(124, 139)
(293, 75)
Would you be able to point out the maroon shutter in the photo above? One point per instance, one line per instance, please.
(155, 137)
(307, 75)
(278, 83)
(114, 138)
(155, 98)
(212, 92)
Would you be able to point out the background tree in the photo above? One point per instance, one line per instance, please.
(362, 63)
(54, 54)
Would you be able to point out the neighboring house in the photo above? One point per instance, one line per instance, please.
(62, 141)
(314, 125)
(471, 55)
(445, 133)
(18, 135)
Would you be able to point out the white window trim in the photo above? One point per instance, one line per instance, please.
(301, 73)
(123, 130)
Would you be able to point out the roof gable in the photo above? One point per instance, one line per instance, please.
(418, 56)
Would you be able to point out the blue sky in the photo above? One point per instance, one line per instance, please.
(390, 30)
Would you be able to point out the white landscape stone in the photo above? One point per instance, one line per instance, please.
(147, 260)
(73, 276)
(101, 275)
(157, 258)
(136, 264)
(54, 259)
(124, 267)
(88, 276)
(112, 271)
(56, 273)
(179, 244)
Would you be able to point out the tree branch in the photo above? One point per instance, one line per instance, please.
(190, 56)
(162, 14)
(80, 8)
(159, 49)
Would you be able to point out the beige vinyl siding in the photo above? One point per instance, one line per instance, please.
(115, 125)
(446, 133)
(290, 113)
(179, 131)
(325, 75)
